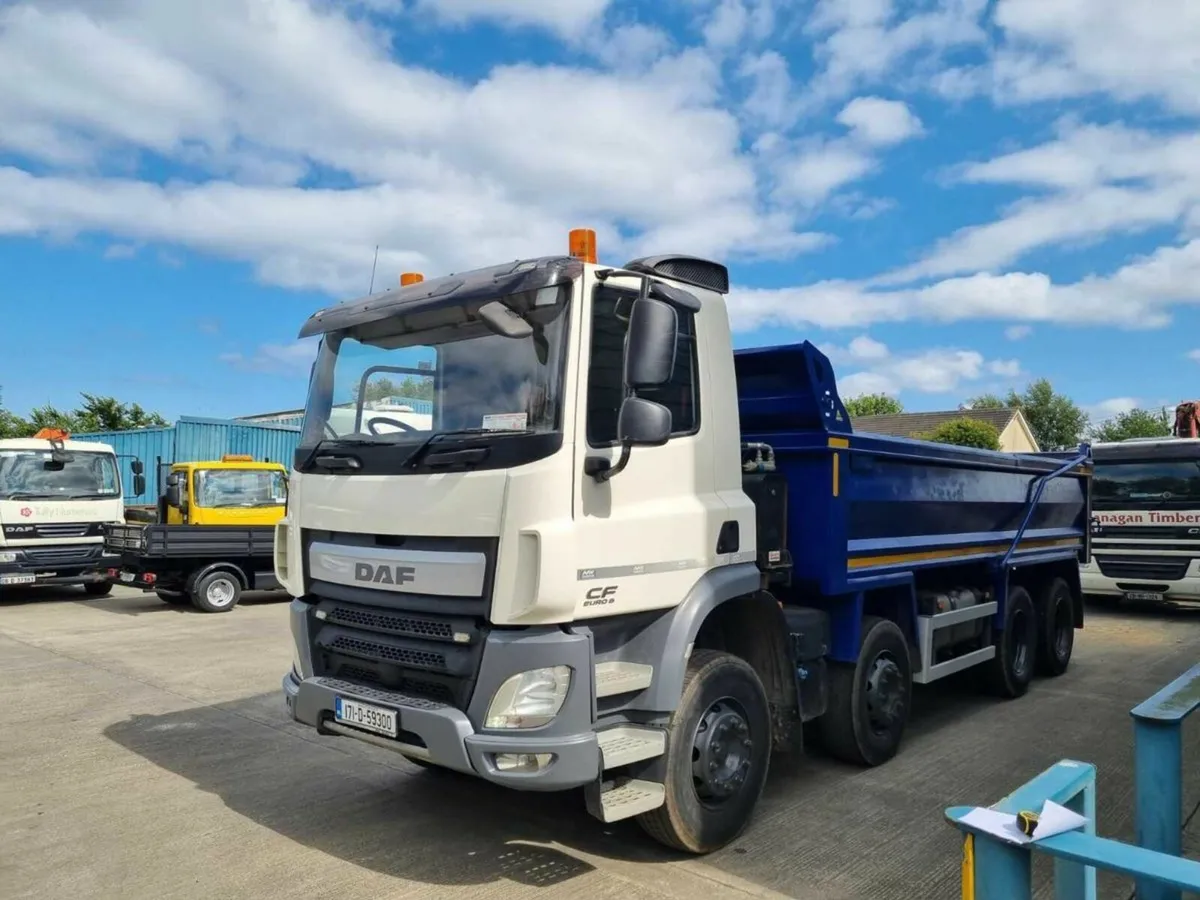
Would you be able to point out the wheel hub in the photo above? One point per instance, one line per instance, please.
(220, 593)
(884, 694)
(721, 751)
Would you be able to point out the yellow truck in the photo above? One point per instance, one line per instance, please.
(213, 537)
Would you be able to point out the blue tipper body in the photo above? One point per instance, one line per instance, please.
(868, 512)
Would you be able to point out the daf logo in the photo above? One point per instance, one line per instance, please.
(384, 574)
(1193, 531)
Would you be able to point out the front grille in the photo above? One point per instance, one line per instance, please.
(1143, 568)
(376, 650)
(389, 622)
(54, 530)
(62, 555)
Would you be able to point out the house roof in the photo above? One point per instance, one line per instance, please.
(918, 423)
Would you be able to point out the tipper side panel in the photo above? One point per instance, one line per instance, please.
(865, 506)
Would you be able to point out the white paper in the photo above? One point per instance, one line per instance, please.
(506, 421)
(1053, 819)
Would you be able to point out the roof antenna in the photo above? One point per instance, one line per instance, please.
(371, 289)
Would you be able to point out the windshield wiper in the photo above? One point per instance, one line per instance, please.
(31, 495)
(320, 445)
(414, 458)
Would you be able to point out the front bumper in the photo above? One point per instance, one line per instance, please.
(448, 737)
(56, 564)
(1176, 590)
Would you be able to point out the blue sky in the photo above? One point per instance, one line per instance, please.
(950, 196)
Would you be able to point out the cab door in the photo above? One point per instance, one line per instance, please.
(645, 536)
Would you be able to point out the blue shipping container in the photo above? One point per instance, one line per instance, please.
(192, 440)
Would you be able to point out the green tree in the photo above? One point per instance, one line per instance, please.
(873, 405)
(415, 387)
(1055, 420)
(965, 432)
(1135, 423)
(96, 413)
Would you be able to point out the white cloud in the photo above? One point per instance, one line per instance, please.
(1138, 295)
(873, 369)
(879, 122)
(443, 169)
(1070, 48)
(275, 359)
(1114, 406)
(1194, 355)
(568, 17)
(1018, 332)
(732, 22)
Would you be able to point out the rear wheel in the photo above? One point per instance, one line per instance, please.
(869, 700)
(1056, 627)
(1009, 672)
(97, 588)
(719, 748)
(216, 592)
(175, 598)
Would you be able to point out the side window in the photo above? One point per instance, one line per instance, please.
(610, 321)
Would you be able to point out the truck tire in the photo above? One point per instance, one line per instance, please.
(97, 588)
(216, 592)
(175, 598)
(718, 752)
(1009, 672)
(1056, 627)
(869, 700)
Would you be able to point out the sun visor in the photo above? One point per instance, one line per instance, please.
(450, 290)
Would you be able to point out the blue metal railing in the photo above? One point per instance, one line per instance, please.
(1037, 487)
(995, 869)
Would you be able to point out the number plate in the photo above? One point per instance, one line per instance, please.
(366, 717)
(1152, 596)
(17, 579)
(126, 577)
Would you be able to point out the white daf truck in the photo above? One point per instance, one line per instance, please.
(56, 496)
(620, 556)
(1146, 521)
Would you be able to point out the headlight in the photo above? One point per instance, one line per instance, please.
(8, 556)
(529, 699)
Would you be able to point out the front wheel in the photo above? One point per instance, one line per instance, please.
(216, 592)
(719, 748)
(870, 699)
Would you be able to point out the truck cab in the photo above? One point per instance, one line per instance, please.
(234, 490)
(56, 496)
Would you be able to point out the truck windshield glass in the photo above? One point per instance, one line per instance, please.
(226, 488)
(1150, 483)
(32, 474)
(400, 381)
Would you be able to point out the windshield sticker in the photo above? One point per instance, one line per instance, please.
(506, 422)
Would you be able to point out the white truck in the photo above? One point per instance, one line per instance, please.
(1146, 520)
(620, 556)
(56, 496)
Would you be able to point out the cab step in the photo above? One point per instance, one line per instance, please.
(627, 744)
(613, 678)
(626, 800)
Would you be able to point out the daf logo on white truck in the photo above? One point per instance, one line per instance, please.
(584, 543)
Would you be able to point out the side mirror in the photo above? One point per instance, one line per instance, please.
(174, 497)
(139, 484)
(650, 343)
(137, 468)
(643, 423)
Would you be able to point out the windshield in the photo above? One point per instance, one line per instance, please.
(217, 488)
(1150, 483)
(404, 379)
(34, 475)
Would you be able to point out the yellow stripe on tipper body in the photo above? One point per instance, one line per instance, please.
(893, 559)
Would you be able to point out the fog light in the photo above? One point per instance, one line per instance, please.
(529, 699)
(7, 556)
(523, 762)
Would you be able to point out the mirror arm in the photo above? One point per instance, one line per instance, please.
(603, 474)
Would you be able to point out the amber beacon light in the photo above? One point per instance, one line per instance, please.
(583, 244)
(407, 278)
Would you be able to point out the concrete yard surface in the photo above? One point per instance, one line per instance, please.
(145, 753)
